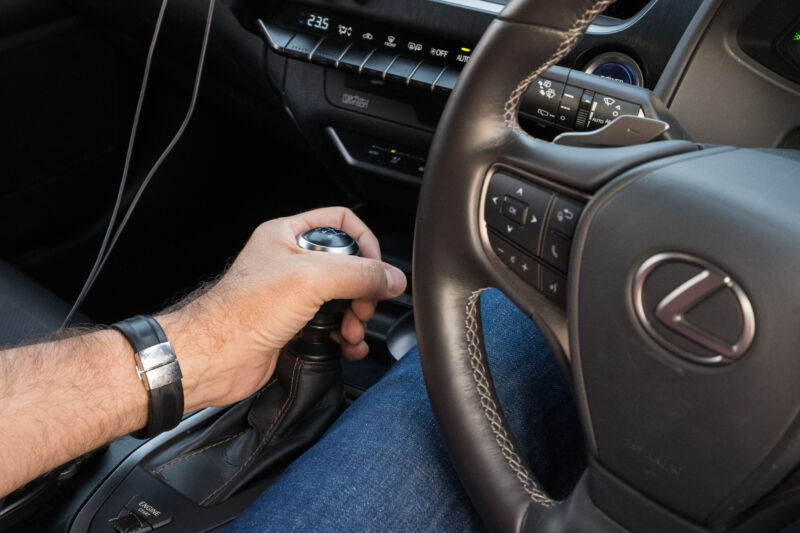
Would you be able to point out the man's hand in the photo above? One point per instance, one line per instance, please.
(61, 399)
(228, 339)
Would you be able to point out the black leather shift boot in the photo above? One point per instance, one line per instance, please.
(260, 434)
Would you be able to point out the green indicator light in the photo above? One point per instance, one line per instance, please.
(393, 151)
(465, 49)
(796, 36)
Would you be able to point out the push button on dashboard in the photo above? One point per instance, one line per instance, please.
(377, 64)
(425, 75)
(302, 45)
(328, 52)
(140, 516)
(401, 69)
(352, 60)
(446, 81)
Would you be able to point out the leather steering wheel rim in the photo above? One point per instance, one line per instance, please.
(479, 125)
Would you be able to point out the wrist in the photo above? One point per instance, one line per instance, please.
(224, 356)
(192, 357)
(123, 380)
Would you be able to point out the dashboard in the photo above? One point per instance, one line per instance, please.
(365, 82)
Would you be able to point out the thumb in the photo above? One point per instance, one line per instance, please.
(341, 277)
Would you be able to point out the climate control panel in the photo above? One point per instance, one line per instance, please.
(402, 65)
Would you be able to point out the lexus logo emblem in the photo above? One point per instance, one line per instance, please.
(670, 286)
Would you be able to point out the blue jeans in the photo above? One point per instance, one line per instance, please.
(383, 466)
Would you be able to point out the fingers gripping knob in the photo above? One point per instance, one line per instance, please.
(328, 240)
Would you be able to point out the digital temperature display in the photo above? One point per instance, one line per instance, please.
(318, 22)
(347, 29)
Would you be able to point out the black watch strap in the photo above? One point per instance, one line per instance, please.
(158, 368)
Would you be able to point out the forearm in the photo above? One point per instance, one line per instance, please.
(61, 399)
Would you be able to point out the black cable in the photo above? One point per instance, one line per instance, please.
(106, 248)
(172, 143)
(125, 170)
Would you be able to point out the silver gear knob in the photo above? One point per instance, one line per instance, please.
(314, 342)
(328, 240)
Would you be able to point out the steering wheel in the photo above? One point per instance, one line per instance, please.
(680, 322)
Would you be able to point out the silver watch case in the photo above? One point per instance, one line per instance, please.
(157, 366)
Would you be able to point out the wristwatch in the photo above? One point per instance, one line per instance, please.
(158, 368)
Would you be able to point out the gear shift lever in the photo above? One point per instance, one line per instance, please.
(254, 439)
(314, 341)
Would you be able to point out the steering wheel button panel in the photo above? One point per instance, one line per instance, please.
(517, 260)
(564, 216)
(532, 200)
